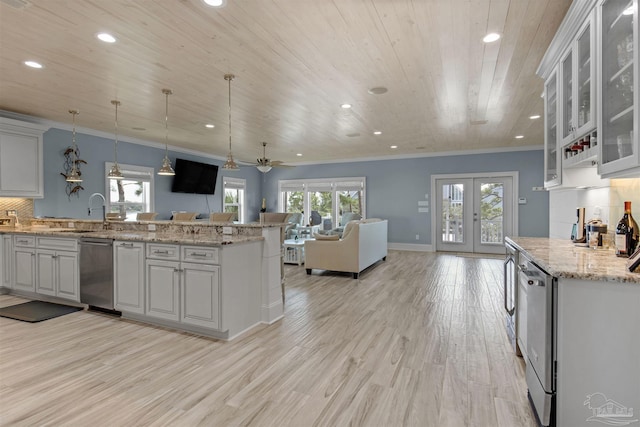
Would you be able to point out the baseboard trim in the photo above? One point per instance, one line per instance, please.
(410, 247)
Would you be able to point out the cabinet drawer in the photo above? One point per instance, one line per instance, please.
(24, 241)
(160, 251)
(200, 254)
(57, 243)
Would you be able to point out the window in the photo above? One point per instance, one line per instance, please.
(132, 194)
(330, 198)
(233, 197)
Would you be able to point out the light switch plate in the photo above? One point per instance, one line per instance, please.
(227, 230)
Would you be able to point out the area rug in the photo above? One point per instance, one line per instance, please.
(36, 311)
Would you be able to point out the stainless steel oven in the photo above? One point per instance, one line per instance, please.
(541, 339)
(509, 291)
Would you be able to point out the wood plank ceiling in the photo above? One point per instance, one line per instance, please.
(296, 62)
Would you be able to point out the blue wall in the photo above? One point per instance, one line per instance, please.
(96, 151)
(394, 187)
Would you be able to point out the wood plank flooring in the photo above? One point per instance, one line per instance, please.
(418, 340)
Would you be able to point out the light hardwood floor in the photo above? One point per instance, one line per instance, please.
(418, 340)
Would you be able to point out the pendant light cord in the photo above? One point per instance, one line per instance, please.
(75, 157)
(229, 79)
(115, 146)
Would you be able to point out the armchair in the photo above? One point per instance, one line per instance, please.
(294, 220)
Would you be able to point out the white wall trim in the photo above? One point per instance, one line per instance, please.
(161, 145)
(414, 247)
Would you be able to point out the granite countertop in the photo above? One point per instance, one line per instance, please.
(142, 236)
(564, 259)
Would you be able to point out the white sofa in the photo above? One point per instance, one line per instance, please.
(363, 243)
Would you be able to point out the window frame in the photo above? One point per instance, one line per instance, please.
(335, 185)
(238, 184)
(142, 173)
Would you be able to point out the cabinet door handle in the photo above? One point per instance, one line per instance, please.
(126, 245)
(161, 252)
(178, 270)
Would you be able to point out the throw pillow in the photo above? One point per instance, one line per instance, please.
(326, 236)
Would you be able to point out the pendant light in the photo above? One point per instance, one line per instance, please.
(166, 168)
(115, 173)
(264, 164)
(230, 164)
(74, 175)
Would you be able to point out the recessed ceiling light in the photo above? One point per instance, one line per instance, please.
(491, 37)
(299, 154)
(377, 132)
(214, 3)
(210, 126)
(379, 90)
(33, 64)
(345, 106)
(394, 146)
(106, 37)
(519, 136)
(536, 116)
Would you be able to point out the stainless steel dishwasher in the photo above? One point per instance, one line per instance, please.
(96, 273)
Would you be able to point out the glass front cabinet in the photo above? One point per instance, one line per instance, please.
(578, 85)
(552, 159)
(618, 76)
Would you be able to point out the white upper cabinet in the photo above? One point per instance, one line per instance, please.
(618, 76)
(552, 159)
(577, 69)
(21, 159)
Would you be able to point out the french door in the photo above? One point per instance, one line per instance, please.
(473, 214)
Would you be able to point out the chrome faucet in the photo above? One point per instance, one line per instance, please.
(104, 206)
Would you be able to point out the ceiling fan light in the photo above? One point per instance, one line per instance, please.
(264, 168)
(166, 169)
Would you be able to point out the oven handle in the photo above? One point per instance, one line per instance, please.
(512, 310)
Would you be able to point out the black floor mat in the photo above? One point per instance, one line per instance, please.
(36, 311)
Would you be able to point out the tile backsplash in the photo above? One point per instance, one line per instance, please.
(24, 207)
(610, 200)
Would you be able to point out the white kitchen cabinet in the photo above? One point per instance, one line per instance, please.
(186, 292)
(57, 268)
(129, 266)
(619, 117)
(201, 295)
(162, 284)
(6, 261)
(24, 269)
(577, 85)
(552, 159)
(21, 159)
(57, 274)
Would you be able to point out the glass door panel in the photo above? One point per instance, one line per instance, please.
(584, 84)
(493, 216)
(567, 98)
(322, 203)
(454, 221)
(617, 81)
(551, 158)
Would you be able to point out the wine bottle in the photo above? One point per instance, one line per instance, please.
(626, 233)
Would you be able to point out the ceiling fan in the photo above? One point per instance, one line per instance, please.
(264, 165)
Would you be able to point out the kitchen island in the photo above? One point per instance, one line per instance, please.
(595, 330)
(212, 279)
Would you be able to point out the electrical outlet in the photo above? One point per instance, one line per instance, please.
(71, 225)
(227, 230)
(417, 237)
(151, 227)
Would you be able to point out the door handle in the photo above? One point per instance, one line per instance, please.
(512, 310)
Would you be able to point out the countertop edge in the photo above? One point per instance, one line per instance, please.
(623, 276)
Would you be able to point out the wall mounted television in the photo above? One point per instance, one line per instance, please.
(194, 177)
